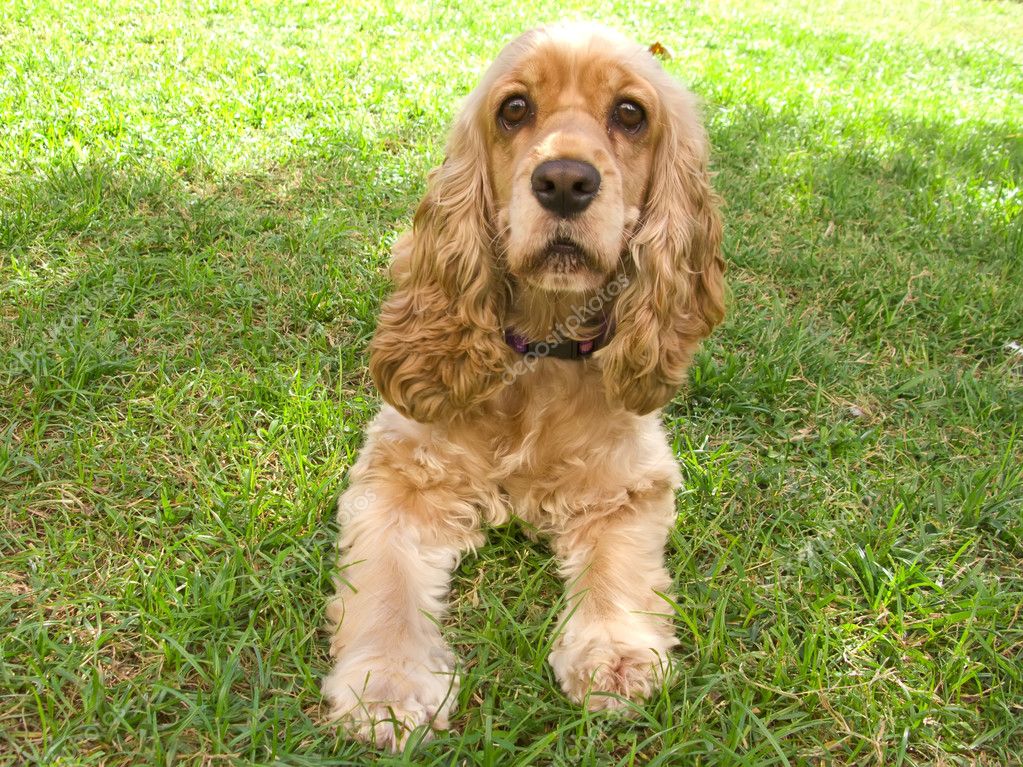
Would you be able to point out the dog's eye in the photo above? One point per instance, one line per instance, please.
(513, 111)
(629, 115)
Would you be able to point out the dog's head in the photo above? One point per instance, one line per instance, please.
(572, 127)
(577, 158)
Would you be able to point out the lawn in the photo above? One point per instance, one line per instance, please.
(196, 205)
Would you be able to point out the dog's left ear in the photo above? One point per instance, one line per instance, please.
(675, 294)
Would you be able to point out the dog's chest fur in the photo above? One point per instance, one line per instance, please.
(556, 445)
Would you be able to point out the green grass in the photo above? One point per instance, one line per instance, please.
(196, 204)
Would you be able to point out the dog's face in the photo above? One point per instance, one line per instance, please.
(570, 130)
(575, 160)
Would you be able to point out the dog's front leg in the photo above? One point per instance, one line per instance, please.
(405, 524)
(615, 635)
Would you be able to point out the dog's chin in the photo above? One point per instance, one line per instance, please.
(563, 266)
(564, 284)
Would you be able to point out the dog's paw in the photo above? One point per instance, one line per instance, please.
(603, 673)
(383, 701)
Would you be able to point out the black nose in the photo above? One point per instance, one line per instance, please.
(565, 187)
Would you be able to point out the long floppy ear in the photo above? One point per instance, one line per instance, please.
(675, 294)
(438, 349)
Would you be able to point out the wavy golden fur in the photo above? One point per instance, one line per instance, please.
(471, 435)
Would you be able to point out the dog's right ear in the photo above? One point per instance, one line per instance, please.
(439, 346)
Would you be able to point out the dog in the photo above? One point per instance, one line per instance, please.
(561, 270)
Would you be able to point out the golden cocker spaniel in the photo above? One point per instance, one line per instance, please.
(560, 272)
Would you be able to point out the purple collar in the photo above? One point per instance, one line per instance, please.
(562, 348)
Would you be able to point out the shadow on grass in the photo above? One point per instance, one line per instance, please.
(907, 240)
